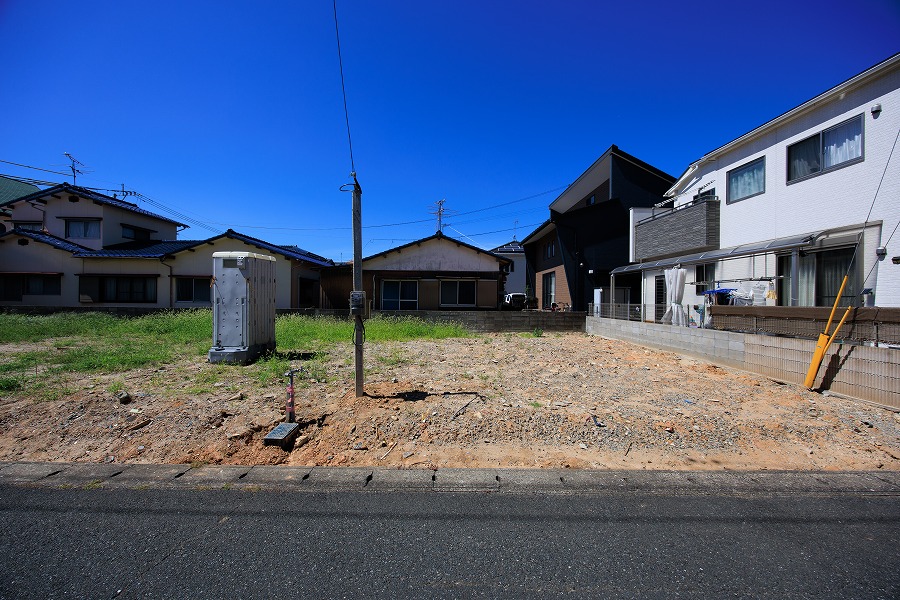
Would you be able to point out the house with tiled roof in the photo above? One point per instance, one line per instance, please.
(433, 273)
(515, 271)
(68, 246)
(10, 189)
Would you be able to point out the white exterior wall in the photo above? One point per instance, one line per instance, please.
(515, 280)
(839, 198)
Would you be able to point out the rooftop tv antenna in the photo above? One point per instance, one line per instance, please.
(75, 170)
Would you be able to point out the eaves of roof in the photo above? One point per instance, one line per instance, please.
(65, 188)
(542, 229)
(46, 238)
(439, 236)
(842, 88)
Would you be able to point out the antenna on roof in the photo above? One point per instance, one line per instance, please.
(75, 171)
(515, 230)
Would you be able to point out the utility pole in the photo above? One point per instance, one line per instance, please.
(358, 295)
(439, 211)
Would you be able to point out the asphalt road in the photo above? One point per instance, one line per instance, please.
(659, 536)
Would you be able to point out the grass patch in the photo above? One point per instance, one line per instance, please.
(95, 342)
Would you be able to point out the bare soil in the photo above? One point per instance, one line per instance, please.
(498, 400)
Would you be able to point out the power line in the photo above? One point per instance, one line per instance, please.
(35, 168)
(343, 87)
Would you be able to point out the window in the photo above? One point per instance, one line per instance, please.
(129, 232)
(87, 230)
(400, 295)
(458, 293)
(830, 149)
(550, 250)
(192, 289)
(705, 277)
(548, 293)
(28, 225)
(14, 287)
(97, 288)
(746, 181)
(820, 276)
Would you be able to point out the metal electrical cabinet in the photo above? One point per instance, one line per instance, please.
(243, 297)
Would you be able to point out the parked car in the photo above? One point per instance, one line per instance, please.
(514, 301)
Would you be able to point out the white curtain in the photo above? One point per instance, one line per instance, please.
(675, 313)
(842, 143)
(747, 181)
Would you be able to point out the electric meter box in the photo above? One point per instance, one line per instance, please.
(358, 304)
(243, 299)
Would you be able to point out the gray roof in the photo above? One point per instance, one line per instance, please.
(65, 188)
(46, 238)
(512, 247)
(163, 248)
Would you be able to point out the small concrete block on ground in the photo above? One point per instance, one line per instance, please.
(276, 476)
(401, 479)
(338, 478)
(28, 472)
(136, 476)
(466, 480)
(213, 475)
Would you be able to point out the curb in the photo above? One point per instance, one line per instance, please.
(504, 481)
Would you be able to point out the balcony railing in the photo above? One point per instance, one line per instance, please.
(689, 228)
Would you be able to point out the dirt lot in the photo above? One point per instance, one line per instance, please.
(559, 400)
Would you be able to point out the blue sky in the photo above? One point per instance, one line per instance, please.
(232, 113)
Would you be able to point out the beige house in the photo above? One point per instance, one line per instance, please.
(71, 247)
(434, 273)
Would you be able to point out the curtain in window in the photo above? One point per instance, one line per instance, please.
(832, 266)
(807, 293)
(842, 143)
(84, 229)
(803, 158)
(747, 181)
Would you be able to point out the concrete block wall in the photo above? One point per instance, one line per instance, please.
(864, 372)
(493, 321)
(721, 347)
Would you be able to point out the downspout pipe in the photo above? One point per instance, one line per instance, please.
(171, 283)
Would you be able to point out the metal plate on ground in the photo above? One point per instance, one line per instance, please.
(282, 435)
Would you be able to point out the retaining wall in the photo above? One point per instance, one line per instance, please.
(865, 372)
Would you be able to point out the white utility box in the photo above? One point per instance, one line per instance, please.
(243, 303)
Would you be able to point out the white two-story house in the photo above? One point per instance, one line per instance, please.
(784, 212)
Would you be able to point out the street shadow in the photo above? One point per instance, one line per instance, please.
(419, 395)
(295, 355)
(835, 364)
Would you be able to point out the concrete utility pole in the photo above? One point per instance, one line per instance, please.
(358, 296)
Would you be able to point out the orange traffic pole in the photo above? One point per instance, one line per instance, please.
(824, 341)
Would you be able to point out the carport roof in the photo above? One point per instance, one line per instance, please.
(785, 243)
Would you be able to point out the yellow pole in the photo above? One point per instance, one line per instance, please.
(823, 342)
